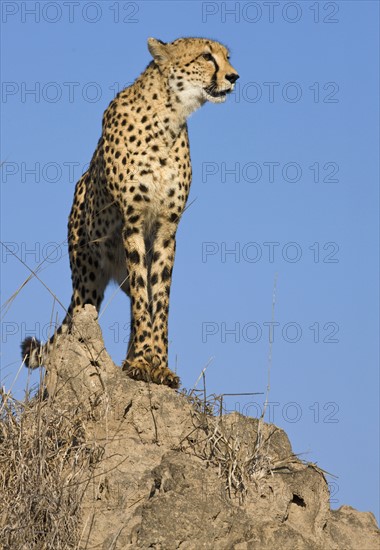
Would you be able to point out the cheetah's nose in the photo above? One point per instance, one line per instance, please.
(232, 77)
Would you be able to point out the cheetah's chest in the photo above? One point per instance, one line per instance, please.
(161, 190)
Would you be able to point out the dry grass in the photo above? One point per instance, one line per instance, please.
(223, 442)
(44, 464)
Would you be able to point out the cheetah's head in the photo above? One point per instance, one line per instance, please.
(198, 69)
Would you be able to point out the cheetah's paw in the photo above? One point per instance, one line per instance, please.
(163, 375)
(153, 360)
(138, 369)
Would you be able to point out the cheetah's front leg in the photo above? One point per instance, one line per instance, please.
(160, 282)
(141, 358)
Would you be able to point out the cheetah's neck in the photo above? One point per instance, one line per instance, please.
(151, 96)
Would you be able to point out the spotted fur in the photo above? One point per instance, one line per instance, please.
(127, 205)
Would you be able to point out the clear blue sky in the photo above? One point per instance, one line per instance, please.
(285, 181)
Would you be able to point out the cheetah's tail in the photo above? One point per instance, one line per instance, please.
(32, 353)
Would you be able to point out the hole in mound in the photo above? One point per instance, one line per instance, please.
(299, 501)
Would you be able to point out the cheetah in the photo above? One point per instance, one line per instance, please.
(127, 205)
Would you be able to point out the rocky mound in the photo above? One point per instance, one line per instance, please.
(143, 466)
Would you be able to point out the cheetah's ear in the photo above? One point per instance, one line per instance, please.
(159, 50)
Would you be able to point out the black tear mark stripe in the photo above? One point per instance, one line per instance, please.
(214, 79)
(215, 64)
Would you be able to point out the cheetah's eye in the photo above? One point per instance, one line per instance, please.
(207, 56)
